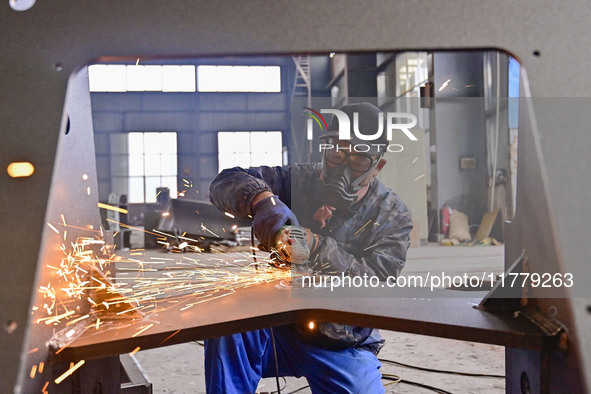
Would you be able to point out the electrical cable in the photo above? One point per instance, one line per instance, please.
(276, 362)
(254, 253)
(395, 378)
(300, 389)
(481, 375)
(256, 266)
(282, 388)
(398, 379)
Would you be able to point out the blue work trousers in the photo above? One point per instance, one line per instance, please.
(236, 363)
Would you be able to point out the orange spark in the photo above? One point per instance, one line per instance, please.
(369, 221)
(111, 207)
(170, 336)
(69, 372)
(143, 329)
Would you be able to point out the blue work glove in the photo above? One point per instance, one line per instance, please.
(269, 215)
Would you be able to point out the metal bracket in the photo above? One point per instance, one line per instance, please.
(515, 298)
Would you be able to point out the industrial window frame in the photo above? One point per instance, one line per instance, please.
(121, 78)
(248, 155)
(238, 79)
(139, 170)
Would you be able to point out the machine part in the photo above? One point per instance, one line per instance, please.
(515, 300)
(292, 245)
(547, 324)
(500, 297)
(133, 378)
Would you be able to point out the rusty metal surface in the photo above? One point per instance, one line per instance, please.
(454, 318)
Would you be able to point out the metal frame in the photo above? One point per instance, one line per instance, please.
(43, 47)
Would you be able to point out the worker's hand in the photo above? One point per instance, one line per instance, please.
(295, 244)
(269, 215)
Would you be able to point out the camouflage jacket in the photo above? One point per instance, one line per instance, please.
(372, 239)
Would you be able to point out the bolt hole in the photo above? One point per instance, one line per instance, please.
(11, 326)
(525, 389)
(537, 53)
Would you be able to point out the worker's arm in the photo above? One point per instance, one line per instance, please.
(379, 252)
(260, 193)
(237, 190)
(259, 197)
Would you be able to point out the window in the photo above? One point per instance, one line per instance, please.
(142, 162)
(411, 73)
(239, 79)
(249, 149)
(129, 78)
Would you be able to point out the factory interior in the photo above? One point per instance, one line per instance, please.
(128, 267)
(218, 120)
(158, 151)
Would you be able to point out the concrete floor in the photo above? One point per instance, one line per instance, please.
(179, 368)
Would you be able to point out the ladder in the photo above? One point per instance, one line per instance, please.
(302, 88)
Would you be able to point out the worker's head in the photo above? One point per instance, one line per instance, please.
(348, 166)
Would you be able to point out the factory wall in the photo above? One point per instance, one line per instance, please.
(459, 132)
(469, 122)
(196, 117)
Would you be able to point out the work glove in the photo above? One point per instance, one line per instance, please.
(269, 215)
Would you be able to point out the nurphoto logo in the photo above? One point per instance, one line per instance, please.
(393, 123)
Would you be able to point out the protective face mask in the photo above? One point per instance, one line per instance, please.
(339, 188)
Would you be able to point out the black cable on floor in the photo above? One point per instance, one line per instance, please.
(482, 375)
(300, 389)
(397, 379)
(284, 385)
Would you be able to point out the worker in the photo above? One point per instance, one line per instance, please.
(354, 224)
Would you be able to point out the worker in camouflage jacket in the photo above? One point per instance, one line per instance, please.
(354, 225)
